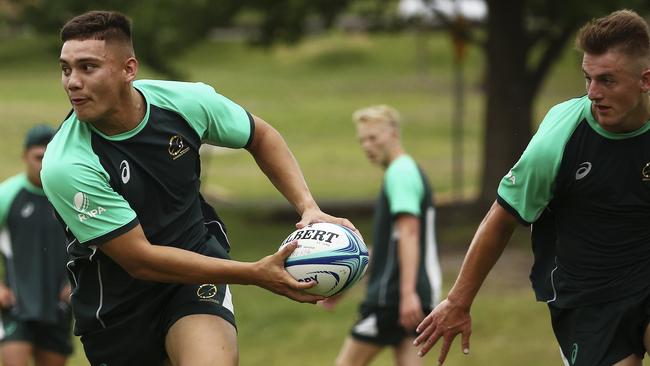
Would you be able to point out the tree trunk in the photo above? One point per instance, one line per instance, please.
(509, 94)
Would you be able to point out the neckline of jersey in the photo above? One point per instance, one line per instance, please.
(611, 135)
(29, 186)
(128, 134)
(403, 156)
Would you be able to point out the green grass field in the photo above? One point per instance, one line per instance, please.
(308, 92)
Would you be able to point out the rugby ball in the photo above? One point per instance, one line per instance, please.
(331, 255)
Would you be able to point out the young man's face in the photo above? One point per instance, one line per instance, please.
(92, 74)
(376, 140)
(616, 85)
(33, 158)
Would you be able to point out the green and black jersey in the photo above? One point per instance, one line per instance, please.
(405, 190)
(587, 193)
(102, 186)
(33, 243)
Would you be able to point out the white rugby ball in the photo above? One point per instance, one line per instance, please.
(331, 255)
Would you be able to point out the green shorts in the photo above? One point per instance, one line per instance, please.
(602, 334)
(138, 338)
(53, 337)
(380, 326)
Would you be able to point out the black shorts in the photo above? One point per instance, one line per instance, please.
(139, 338)
(53, 337)
(602, 334)
(380, 326)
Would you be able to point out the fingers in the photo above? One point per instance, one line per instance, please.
(347, 223)
(424, 323)
(444, 350)
(465, 342)
(286, 250)
(304, 297)
(430, 341)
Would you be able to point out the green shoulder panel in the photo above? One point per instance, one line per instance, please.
(78, 186)
(403, 186)
(218, 120)
(8, 191)
(528, 186)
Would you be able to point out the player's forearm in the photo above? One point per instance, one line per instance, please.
(174, 265)
(408, 253)
(275, 159)
(490, 240)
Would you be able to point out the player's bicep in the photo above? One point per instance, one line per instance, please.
(130, 250)
(220, 121)
(85, 201)
(408, 226)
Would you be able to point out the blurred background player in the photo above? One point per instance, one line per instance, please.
(35, 314)
(405, 277)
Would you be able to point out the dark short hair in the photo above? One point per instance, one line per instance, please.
(99, 25)
(39, 135)
(624, 30)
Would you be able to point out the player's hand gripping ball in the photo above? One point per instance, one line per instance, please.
(331, 255)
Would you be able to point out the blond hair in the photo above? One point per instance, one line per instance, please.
(377, 114)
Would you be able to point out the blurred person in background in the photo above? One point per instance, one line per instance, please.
(36, 317)
(583, 183)
(405, 278)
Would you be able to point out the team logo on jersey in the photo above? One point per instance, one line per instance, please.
(206, 291)
(27, 210)
(583, 170)
(177, 147)
(82, 204)
(125, 171)
(80, 201)
(645, 173)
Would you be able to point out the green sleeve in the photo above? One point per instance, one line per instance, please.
(8, 191)
(404, 187)
(215, 118)
(81, 194)
(528, 187)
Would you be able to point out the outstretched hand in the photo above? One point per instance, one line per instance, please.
(275, 278)
(445, 321)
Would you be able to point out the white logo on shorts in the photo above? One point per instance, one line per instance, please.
(125, 171)
(583, 170)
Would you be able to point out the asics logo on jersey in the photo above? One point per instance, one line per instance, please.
(177, 147)
(27, 210)
(645, 173)
(574, 353)
(583, 170)
(125, 171)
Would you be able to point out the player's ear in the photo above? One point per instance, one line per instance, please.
(130, 69)
(645, 80)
